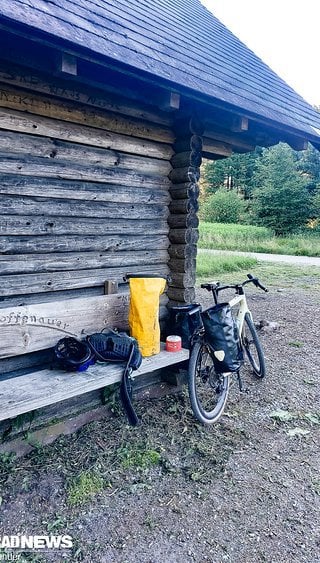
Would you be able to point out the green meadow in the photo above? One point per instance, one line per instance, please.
(249, 238)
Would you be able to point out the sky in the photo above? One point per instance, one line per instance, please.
(283, 33)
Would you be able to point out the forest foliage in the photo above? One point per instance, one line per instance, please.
(277, 187)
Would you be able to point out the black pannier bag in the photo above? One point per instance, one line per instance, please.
(119, 347)
(182, 324)
(115, 347)
(222, 335)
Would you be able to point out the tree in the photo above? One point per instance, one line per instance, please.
(233, 173)
(223, 207)
(281, 200)
(309, 164)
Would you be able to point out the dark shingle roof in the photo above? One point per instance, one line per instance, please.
(179, 41)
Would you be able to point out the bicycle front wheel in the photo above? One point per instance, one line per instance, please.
(252, 347)
(208, 390)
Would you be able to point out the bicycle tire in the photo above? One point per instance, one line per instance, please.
(253, 348)
(206, 386)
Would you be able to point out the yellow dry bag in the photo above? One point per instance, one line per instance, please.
(144, 311)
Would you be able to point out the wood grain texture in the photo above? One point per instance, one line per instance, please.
(76, 243)
(183, 219)
(186, 264)
(42, 126)
(184, 279)
(184, 190)
(40, 326)
(214, 135)
(184, 174)
(187, 158)
(35, 225)
(47, 106)
(84, 195)
(183, 236)
(20, 300)
(18, 146)
(39, 167)
(60, 281)
(182, 250)
(181, 294)
(69, 261)
(183, 206)
(41, 388)
(79, 190)
(75, 208)
(34, 81)
(187, 143)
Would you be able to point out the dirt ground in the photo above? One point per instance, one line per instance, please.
(246, 490)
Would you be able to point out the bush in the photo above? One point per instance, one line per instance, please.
(223, 207)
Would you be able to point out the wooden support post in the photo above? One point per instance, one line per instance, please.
(183, 218)
(110, 287)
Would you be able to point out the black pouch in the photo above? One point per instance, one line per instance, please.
(119, 347)
(115, 347)
(182, 324)
(222, 336)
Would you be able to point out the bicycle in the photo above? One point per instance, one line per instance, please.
(209, 389)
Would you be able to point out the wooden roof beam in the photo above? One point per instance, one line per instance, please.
(215, 149)
(237, 143)
(297, 144)
(240, 124)
(271, 138)
(170, 101)
(68, 64)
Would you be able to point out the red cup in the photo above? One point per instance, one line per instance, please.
(173, 343)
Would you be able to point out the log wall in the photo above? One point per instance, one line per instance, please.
(84, 189)
(183, 218)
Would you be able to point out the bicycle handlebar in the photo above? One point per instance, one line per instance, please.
(256, 282)
(216, 287)
(210, 286)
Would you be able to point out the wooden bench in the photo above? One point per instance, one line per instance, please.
(39, 326)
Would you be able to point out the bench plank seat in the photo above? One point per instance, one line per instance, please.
(41, 388)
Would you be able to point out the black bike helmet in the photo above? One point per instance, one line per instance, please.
(73, 355)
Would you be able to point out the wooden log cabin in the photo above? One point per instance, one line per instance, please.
(106, 111)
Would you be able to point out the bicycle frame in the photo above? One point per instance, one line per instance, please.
(241, 301)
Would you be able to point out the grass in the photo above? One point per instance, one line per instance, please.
(209, 265)
(296, 344)
(140, 457)
(83, 487)
(249, 238)
(232, 269)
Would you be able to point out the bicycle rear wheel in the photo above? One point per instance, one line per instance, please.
(208, 390)
(252, 347)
